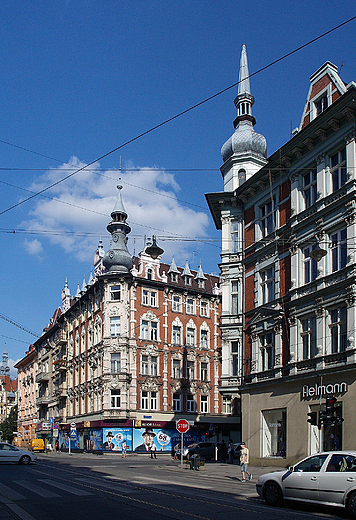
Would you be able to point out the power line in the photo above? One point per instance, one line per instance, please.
(19, 326)
(163, 123)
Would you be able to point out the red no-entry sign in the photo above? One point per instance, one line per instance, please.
(182, 425)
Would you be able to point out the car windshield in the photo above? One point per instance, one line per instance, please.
(311, 464)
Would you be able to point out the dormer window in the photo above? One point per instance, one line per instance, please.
(174, 277)
(201, 284)
(188, 280)
(321, 104)
(149, 274)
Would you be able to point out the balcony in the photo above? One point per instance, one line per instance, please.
(121, 376)
(43, 399)
(61, 339)
(42, 376)
(60, 364)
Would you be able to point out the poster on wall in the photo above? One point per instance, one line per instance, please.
(95, 440)
(115, 438)
(164, 439)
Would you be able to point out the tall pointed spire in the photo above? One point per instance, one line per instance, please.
(246, 151)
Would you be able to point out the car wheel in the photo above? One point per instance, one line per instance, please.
(25, 459)
(272, 494)
(351, 505)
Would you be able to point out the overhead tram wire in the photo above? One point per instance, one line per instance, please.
(176, 116)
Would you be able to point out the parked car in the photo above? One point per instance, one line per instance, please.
(327, 478)
(206, 450)
(10, 453)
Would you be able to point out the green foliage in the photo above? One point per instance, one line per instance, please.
(9, 425)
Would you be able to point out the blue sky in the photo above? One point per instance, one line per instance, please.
(82, 77)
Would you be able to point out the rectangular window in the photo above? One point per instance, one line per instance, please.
(190, 403)
(204, 372)
(338, 169)
(267, 351)
(176, 402)
(115, 398)
(144, 400)
(321, 104)
(274, 433)
(234, 357)
(154, 401)
(190, 337)
(145, 297)
(115, 292)
(309, 338)
(176, 339)
(204, 339)
(310, 189)
(268, 285)
(204, 309)
(190, 306)
(176, 304)
(115, 363)
(176, 369)
(154, 331)
(190, 370)
(234, 298)
(226, 404)
(339, 250)
(204, 404)
(153, 299)
(267, 218)
(338, 329)
(115, 326)
(154, 366)
(235, 236)
(144, 365)
(310, 265)
(144, 329)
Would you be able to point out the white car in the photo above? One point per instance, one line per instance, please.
(9, 453)
(327, 478)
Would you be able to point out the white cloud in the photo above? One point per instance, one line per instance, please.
(33, 247)
(149, 197)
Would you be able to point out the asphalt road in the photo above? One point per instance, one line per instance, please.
(85, 487)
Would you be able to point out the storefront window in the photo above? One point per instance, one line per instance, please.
(274, 433)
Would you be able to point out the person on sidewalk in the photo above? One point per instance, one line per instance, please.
(153, 450)
(244, 460)
(230, 452)
(223, 452)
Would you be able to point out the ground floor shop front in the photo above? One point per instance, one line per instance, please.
(140, 434)
(275, 417)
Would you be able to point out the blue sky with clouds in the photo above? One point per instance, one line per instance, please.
(82, 77)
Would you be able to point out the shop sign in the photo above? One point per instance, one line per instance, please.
(320, 390)
(150, 424)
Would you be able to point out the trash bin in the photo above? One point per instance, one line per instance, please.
(194, 461)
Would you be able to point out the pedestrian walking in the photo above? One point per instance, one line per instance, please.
(244, 460)
(230, 452)
(123, 449)
(176, 447)
(153, 451)
(223, 452)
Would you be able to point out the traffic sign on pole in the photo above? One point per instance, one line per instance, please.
(182, 425)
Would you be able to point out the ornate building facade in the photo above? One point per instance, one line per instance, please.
(136, 348)
(288, 274)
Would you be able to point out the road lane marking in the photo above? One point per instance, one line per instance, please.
(10, 493)
(64, 487)
(36, 489)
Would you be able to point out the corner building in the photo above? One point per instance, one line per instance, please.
(288, 274)
(136, 349)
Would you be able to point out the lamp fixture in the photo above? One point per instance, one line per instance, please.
(154, 250)
(317, 253)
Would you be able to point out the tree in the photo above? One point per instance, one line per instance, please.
(9, 425)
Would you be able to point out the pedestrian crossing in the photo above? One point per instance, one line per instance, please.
(42, 488)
